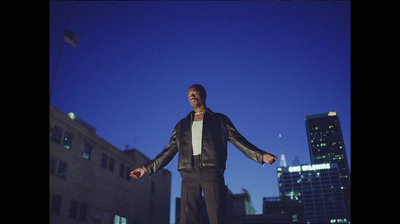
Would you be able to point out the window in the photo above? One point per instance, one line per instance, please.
(86, 152)
(294, 218)
(120, 220)
(73, 209)
(62, 169)
(67, 140)
(55, 205)
(56, 136)
(104, 159)
(117, 219)
(111, 164)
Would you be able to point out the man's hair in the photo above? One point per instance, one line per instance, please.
(201, 89)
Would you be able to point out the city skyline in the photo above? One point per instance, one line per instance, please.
(264, 64)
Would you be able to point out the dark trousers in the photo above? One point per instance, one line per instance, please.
(211, 181)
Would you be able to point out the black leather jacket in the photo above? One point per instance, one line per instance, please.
(217, 130)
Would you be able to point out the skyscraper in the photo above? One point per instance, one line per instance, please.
(313, 192)
(326, 145)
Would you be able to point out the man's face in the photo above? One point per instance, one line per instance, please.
(194, 97)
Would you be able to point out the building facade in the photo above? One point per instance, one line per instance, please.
(326, 145)
(316, 188)
(89, 179)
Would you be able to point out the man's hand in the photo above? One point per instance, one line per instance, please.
(269, 158)
(138, 173)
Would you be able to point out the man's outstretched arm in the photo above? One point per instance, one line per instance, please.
(160, 161)
(245, 146)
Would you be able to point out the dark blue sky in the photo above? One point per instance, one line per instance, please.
(264, 64)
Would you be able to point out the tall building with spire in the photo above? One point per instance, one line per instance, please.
(326, 145)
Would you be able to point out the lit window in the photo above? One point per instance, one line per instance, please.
(117, 219)
(294, 218)
(123, 220)
(86, 151)
(120, 220)
(67, 140)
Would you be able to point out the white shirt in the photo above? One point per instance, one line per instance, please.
(197, 134)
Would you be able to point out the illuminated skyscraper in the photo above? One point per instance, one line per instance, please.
(326, 145)
(314, 188)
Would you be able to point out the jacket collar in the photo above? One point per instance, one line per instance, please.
(208, 110)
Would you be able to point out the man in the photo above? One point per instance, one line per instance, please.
(201, 140)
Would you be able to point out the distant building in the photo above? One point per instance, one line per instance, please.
(315, 188)
(241, 207)
(89, 179)
(282, 210)
(296, 161)
(326, 145)
(272, 205)
(282, 162)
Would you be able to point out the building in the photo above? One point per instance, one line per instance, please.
(283, 210)
(89, 178)
(317, 189)
(241, 204)
(326, 145)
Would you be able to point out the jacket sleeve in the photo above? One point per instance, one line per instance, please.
(240, 142)
(164, 157)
